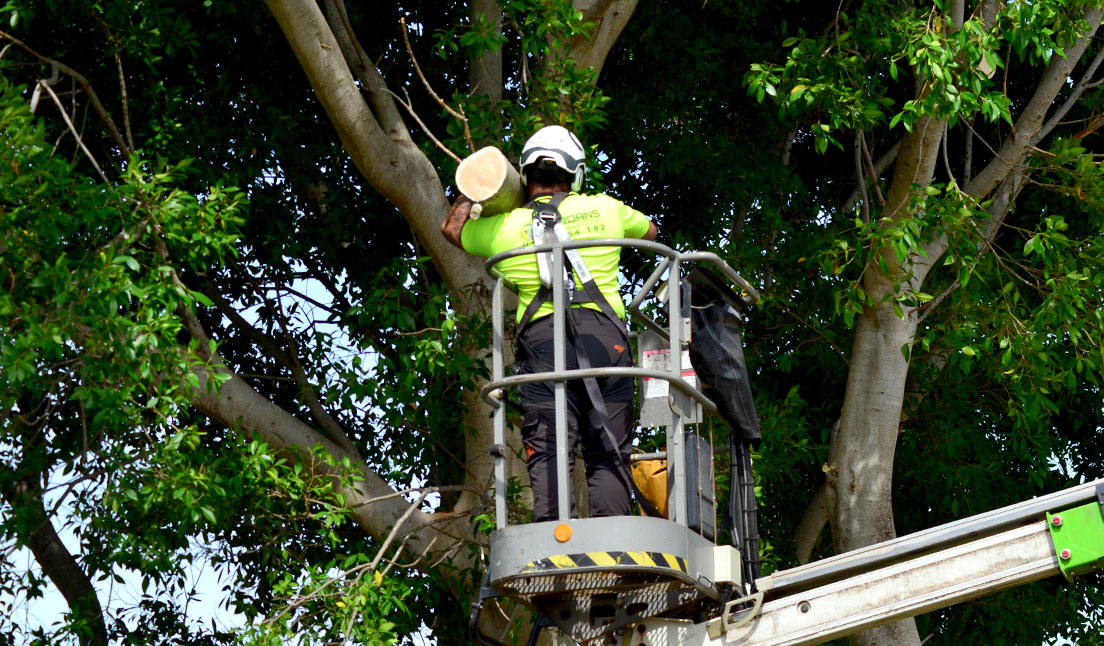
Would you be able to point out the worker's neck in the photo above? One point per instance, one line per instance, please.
(537, 188)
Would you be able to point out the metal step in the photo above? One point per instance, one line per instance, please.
(589, 602)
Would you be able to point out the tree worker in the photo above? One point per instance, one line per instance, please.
(599, 411)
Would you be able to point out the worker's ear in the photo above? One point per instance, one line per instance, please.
(580, 175)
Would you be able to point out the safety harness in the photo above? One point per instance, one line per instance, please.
(548, 228)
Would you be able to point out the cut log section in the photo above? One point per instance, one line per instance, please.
(491, 181)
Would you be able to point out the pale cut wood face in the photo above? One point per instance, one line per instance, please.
(489, 179)
(481, 175)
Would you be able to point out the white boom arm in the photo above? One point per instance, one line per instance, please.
(890, 581)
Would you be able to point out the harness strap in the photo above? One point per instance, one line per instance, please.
(548, 227)
(599, 404)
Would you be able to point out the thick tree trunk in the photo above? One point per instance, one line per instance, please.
(609, 18)
(860, 483)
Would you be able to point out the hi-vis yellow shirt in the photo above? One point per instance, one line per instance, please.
(585, 217)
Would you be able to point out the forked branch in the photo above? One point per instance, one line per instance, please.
(417, 68)
(85, 85)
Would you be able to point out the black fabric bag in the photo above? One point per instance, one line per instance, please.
(717, 353)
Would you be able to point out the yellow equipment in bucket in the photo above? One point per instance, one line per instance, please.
(650, 478)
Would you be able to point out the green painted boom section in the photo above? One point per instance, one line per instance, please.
(1078, 535)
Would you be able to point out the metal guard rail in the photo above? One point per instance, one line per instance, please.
(668, 254)
(492, 391)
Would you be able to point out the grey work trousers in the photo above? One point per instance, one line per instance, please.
(606, 454)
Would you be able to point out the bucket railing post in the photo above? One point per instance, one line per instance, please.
(498, 373)
(676, 441)
(563, 483)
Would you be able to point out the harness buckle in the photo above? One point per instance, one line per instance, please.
(549, 217)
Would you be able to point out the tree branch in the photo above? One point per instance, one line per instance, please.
(860, 173)
(374, 505)
(1030, 122)
(1078, 90)
(876, 171)
(968, 155)
(290, 362)
(946, 160)
(409, 105)
(85, 85)
(609, 18)
(459, 116)
(36, 531)
(80, 141)
(384, 154)
(122, 78)
(365, 70)
(870, 168)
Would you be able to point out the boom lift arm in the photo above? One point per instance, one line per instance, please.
(1061, 533)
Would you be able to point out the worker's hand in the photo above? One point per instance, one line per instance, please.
(458, 214)
(461, 207)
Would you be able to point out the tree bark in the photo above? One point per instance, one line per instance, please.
(860, 483)
(36, 531)
(609, 18)
(376, 507)
(374, 136)
(485, 73)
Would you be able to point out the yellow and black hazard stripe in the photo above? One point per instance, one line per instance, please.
(608, 559)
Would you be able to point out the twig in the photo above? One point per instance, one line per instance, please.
(395, 529)
(946, 159)
(861, 173)
(440, 446)
(970, 127)
(875, 170)
(349, 624)
(85, 85)
(80, 142)
(410, 108)
(249, 375)
(1078, 90)
(871, 169)
(1044, 153)
(968, 162)
(446, 106)
(122, 79)
(447, 554)
(831, 344)
(420, 558)
(930, 306)
(393, 561)
(403, 492)
(1004, 265)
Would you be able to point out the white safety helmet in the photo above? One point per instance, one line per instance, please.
(558, 145)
